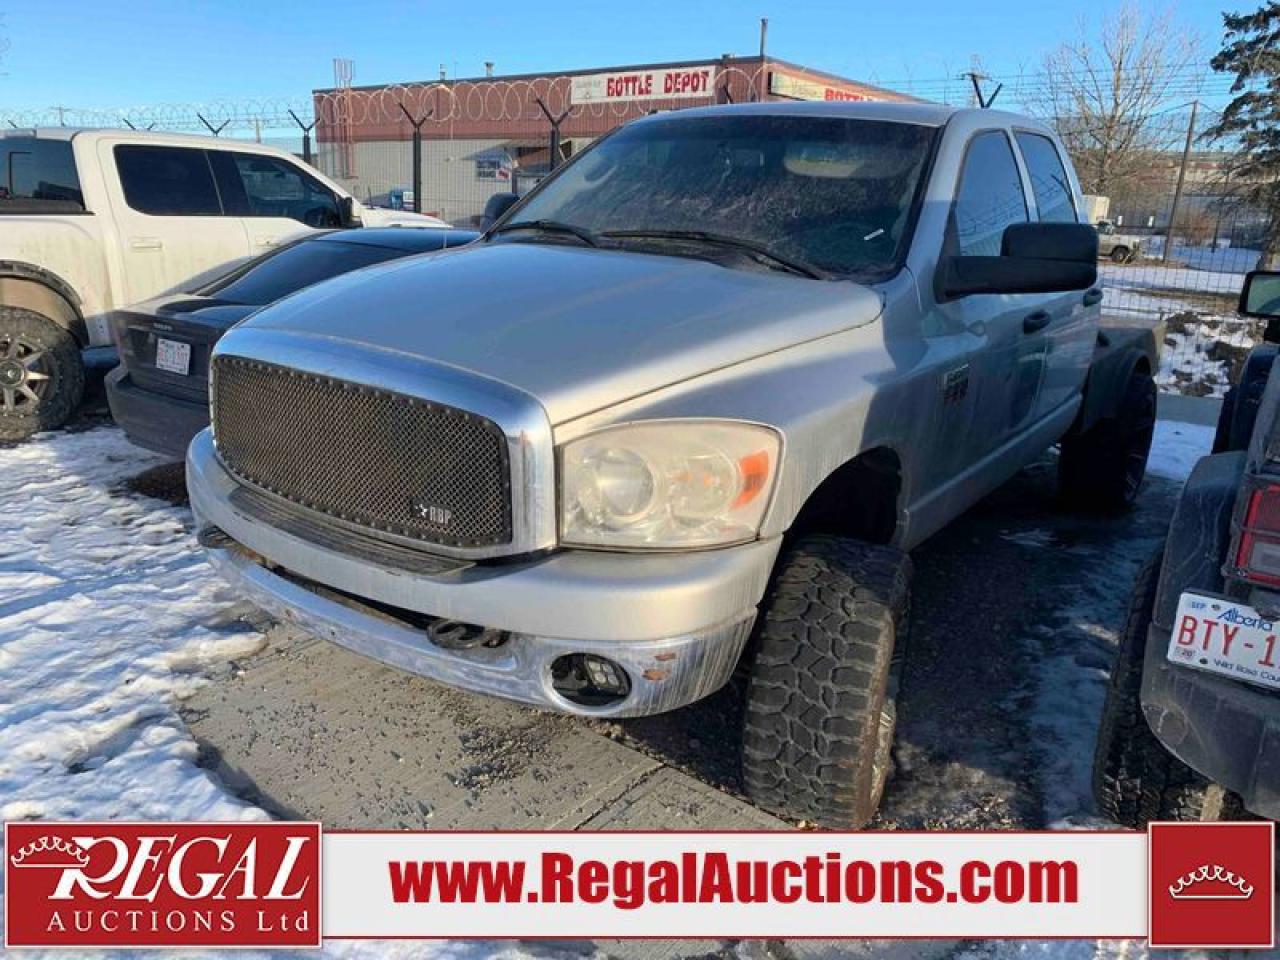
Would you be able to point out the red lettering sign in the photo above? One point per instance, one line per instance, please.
(162, 884)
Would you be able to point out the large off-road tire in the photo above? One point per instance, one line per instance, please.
(41, 374)
(1102, 468)
(1135, 779)
(820, 704)
(1121, 255)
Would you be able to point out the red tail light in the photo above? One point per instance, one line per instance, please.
(1258, 556)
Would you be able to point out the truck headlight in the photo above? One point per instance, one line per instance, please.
(667, 484)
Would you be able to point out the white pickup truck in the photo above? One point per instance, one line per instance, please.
(91, 220)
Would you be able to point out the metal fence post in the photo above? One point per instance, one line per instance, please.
(417, 154)
(555, 131)
(306, 137)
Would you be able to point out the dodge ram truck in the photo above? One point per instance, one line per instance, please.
(93, 220)
(680, 414)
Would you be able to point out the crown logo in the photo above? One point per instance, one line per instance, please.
(51, 852)
(1211, 882)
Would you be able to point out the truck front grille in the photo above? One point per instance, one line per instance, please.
(362, 455)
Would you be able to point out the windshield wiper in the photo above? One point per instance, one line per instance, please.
(789, 264)
(550, 226)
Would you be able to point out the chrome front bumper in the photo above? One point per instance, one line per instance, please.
(676, 623)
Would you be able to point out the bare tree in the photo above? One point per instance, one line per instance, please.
(1104, 93)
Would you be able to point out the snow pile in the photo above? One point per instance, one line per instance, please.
(109, 613)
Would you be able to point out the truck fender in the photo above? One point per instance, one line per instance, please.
(1199, 533)
(43, 292)
(1118, 353)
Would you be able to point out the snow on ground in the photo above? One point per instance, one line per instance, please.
(108, 615)
(1076, 643)
(1176, 448)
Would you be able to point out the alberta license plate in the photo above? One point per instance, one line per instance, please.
(173, 355)
(1213, 634)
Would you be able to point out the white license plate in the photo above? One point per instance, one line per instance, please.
(1226, 638)
(173, 355)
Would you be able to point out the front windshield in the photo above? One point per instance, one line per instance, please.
(831, 192)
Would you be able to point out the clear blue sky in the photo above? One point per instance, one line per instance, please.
(86, 53)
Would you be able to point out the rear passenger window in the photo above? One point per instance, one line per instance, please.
(1049, 181)
(38, 176)
(989, 197)
(167, 181)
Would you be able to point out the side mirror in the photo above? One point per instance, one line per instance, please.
(1034, 258)
(497, 208)
(347, 212)
(1261, 295)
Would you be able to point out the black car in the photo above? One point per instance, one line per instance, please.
(1191, 725)
(160, 392)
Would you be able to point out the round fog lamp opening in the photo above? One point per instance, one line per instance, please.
(589, 680)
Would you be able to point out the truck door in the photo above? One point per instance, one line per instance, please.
(170, 223)
(1072, 316)
(276, 199)
(1003, 372)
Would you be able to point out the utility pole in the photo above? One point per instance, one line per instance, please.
(1182, 177)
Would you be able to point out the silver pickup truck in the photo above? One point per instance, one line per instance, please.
(679, 414)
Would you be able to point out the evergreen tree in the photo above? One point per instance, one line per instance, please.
(1251, 122)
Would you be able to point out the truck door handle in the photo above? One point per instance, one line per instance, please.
(1035, 321)
(146, 243)
(1093, 296)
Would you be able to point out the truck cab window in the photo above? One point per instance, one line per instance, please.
(167, 181)
(1049, 181)
(989, 196)
(271, 187)
(38, 176)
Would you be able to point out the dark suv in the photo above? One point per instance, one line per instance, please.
(1191, 726)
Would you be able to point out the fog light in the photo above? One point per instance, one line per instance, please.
(589, 680)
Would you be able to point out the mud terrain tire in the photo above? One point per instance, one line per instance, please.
(820, 704)
(1102, 468)
(1135, 779)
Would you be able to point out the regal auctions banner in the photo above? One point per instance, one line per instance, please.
(108, 885)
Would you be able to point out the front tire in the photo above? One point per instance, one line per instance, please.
(820, 705)
(1121, 255)
(1135, 779)
(1101, 469)
(41, 374)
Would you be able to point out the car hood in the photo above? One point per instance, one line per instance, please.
(577, 328)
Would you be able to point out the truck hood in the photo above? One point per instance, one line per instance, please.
(577, 328)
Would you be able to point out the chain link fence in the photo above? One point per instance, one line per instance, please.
(484, 136)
